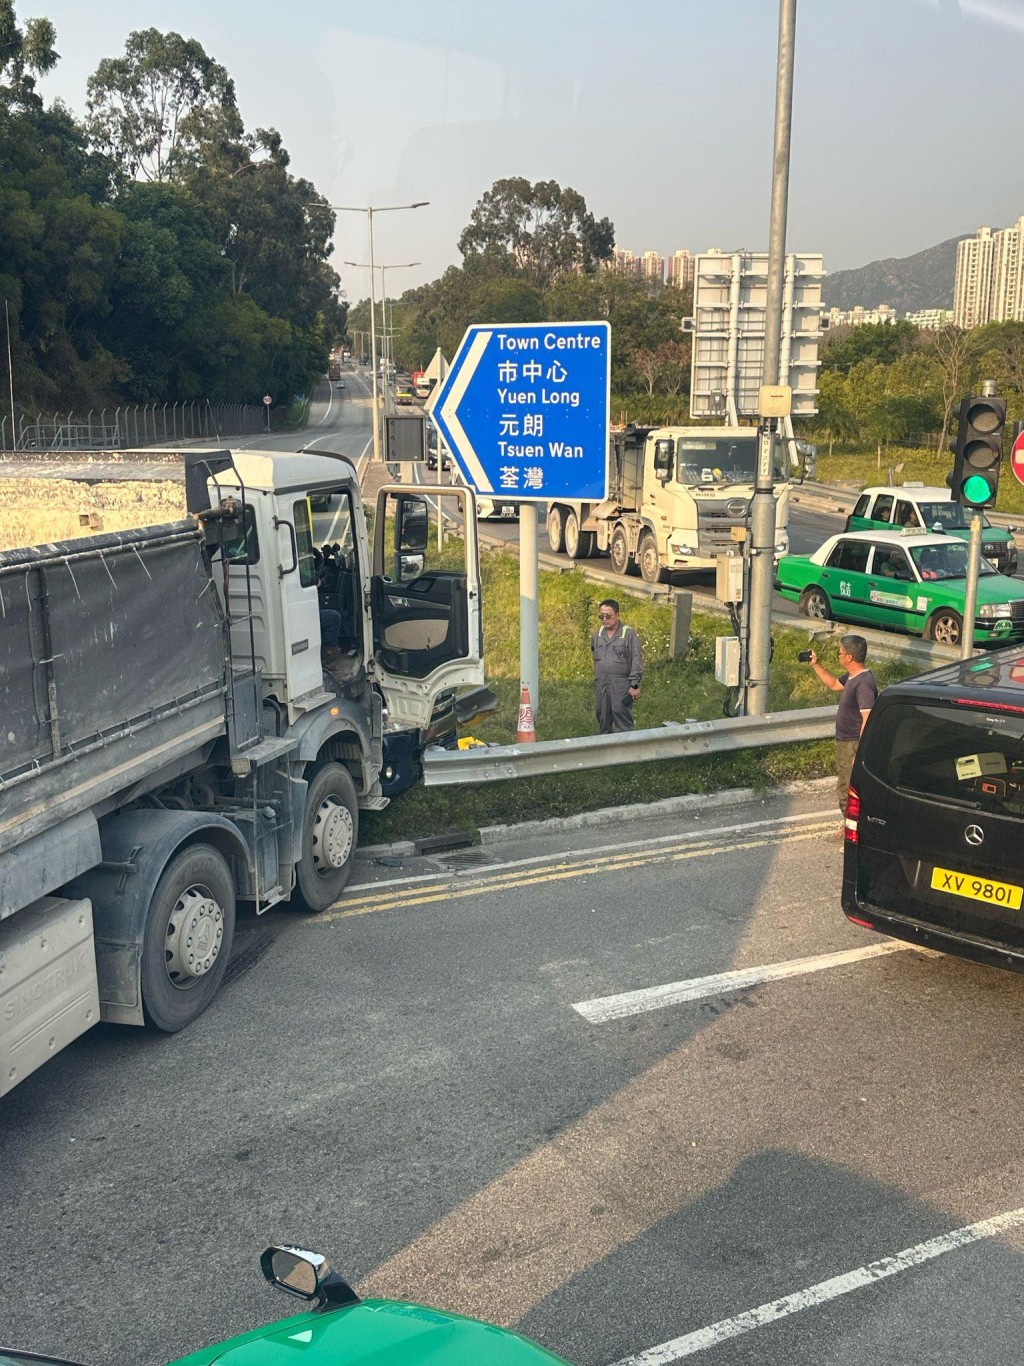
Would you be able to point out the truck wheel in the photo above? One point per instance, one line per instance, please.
(330, 828)
(649, 559)
(946, 627)
(556, 527)
(587, 545)
(572, 535)
(618, 551)
(815, 604)
(187, 942)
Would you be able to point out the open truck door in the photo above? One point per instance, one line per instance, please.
(425, 600)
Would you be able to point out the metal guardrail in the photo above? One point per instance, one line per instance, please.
(673, 740)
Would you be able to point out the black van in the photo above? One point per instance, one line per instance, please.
(935, 823)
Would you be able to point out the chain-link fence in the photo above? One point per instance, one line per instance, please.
(133, 425)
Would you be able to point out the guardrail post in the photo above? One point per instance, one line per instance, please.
(682, 614)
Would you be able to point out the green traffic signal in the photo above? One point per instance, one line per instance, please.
(976, 490)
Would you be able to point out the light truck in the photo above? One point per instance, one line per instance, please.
(172, 744)
(675, 494)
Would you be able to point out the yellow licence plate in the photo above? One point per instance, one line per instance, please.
(977, 888)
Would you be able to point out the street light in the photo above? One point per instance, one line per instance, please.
(370, 211)
(394, 265)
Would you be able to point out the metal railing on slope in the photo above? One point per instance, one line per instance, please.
(673, 740)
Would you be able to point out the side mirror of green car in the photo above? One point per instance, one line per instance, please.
(306, 1275)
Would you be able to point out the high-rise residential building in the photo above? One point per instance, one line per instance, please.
(623, 262)
(976, 288)
(1008, 274)
(681, 267)
(652, 266)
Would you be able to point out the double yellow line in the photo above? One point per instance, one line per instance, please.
(581, 865)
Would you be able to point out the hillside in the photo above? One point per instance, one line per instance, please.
(924, 280)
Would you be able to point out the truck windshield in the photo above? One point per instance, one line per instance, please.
(721, 460)
(945, 561)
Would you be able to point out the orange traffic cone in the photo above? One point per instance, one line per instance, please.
(526, 733)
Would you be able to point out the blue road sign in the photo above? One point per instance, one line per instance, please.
(524, 410)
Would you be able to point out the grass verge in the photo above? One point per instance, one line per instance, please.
(926, 466)
(673, 690)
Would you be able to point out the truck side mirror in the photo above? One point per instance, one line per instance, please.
(411, 514)
(664, 450)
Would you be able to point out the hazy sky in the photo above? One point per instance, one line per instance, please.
(907, 113)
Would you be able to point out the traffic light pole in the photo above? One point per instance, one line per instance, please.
(971, 587)
(762, 506)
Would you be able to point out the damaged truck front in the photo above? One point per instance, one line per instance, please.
(171, 746)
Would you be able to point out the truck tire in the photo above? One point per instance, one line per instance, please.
(622, 561)
(330, 830)
(188, 936)
(573, 537)
(556, 527)
(587, 547)
(649, 560)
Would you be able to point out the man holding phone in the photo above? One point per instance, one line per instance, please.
(859, 690)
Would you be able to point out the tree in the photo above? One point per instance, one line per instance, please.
(154, 109)
(954, 349)
(24, 54)
(882, 342)
(540, 230)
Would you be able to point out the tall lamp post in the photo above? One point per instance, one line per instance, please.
(399, 265)
(370, 211)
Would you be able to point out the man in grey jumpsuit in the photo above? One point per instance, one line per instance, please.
(618, 667)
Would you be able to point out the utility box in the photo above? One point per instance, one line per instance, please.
(405, 439)
(727, 660)
(729, 578)
(48, 989)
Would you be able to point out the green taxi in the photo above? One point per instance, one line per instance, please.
(904, 580)
(929, 507)
(340, 1327)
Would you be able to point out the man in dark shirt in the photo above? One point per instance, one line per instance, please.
(859, 690)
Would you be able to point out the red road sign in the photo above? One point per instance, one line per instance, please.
(1017, 458)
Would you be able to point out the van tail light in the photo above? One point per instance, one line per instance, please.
(853, 817)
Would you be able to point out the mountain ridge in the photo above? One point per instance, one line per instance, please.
(924, 280)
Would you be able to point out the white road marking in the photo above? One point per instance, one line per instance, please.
(569, 854)
(824, 1291)
(604, 1008)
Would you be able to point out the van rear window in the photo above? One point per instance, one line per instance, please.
(950, 754)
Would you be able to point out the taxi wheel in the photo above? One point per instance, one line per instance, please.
(946, 627)
(815, 604)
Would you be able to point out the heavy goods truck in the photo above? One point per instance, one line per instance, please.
(172, 745)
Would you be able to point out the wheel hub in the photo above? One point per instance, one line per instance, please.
(195, 935)
(333, 834)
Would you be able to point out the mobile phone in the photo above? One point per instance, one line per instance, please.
(805, 656)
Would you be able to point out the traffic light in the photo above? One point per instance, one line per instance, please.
(978, 451)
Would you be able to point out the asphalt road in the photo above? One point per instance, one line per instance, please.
(430, 1084)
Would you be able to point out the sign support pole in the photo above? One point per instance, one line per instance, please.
(529, 603)
(971, 586)
(762, 509)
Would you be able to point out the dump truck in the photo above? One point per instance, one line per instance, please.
(173, 746)
(675, 495)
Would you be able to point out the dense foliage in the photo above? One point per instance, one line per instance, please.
(890, 383)
(533, 254)
(157, 250)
